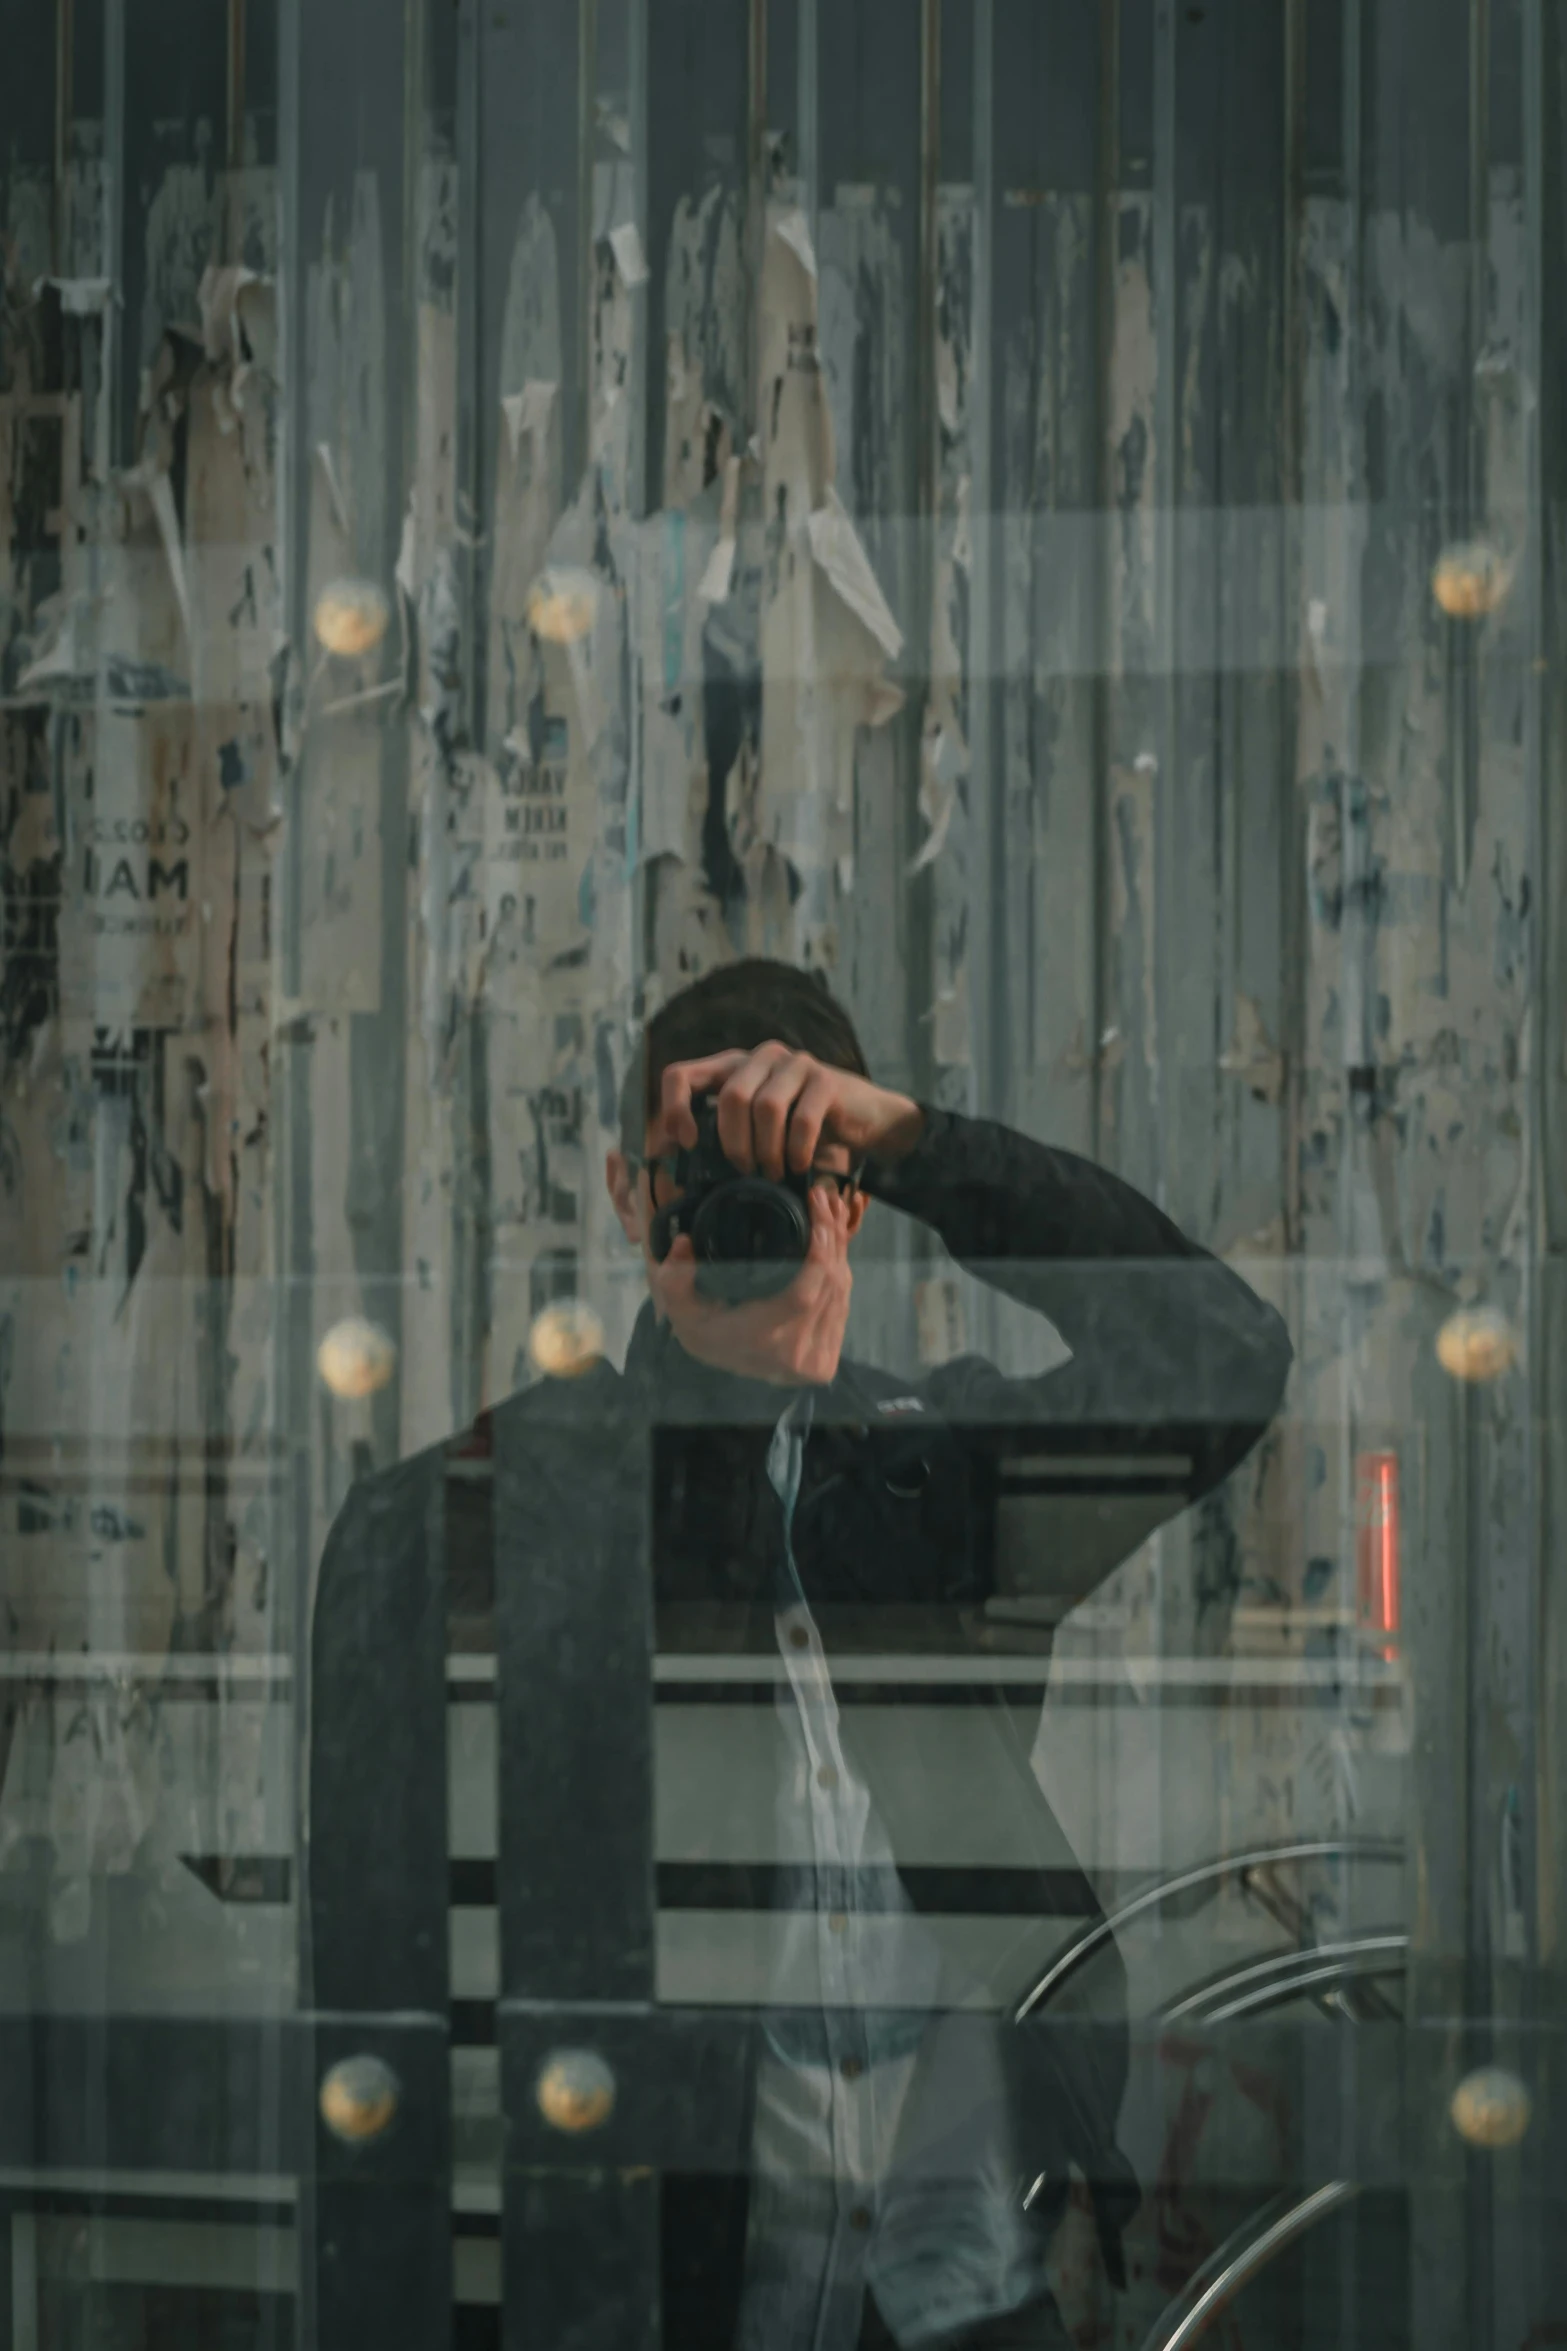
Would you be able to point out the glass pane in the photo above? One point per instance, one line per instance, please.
(780, 1118)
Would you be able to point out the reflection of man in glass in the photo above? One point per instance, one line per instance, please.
(906, 2175)
(908, 2165)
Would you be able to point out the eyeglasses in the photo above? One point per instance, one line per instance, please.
(664, 1164)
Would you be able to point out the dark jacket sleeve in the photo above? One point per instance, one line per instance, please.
(1170, 1349)
(375, 1783)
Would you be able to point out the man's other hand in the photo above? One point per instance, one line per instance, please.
(780, 1111)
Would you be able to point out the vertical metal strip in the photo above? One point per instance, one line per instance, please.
(234, 141)
(1168, 913)
(110, 430)
(756, 197)
(919, 960)
(1353, 143)
(808, 112)
(1354, 948)
(1540, 1891)
(1479, 1994)
(1544, 1299)
(1479, 1988)
(64, 101)
(1107, 183)
(470, 275)
(1463, 765)
(636, 486)
(986, 943)
(1292, 879)
(106, 1600)
(235, 126)
(587, 151)
(415, 34)
(292, 1245)
(1354, 992)
(636, 107)
(1166, 622)
(292, 477)
(378, 1042)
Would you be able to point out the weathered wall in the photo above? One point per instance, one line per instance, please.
(1003, 453)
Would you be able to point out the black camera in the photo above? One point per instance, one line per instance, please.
(749, 1233)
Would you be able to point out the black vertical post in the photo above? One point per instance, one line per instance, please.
(574, 1641)
(375, 2262)
(1544, 109)
(375, 2208)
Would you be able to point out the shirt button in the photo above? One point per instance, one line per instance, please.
(826, 1776)
(851, 2069)
(838, 1922)
(799, 1638)
(860, 2218)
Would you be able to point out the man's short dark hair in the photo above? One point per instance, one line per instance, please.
(736, 1004)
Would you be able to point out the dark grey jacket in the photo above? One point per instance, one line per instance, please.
(923, 1502)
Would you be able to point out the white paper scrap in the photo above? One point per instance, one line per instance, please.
(718, 577)
(528, 412)
(836, 546)
(626, 245)
(794, 230)
(715, 582)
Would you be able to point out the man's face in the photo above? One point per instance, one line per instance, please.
(792, 1339)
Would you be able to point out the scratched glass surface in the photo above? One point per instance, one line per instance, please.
(781, 1108)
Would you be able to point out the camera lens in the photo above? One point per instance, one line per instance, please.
(749, 1237)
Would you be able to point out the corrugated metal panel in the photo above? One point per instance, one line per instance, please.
(1156, 353)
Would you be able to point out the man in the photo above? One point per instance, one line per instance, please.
(906, 2173)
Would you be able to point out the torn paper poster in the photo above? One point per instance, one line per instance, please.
(670, 615)
(160, 495)
(936, 839)
(717, 578)
(719, 575)
(166, 401)
(406, 570)
(238, 317)
(614, 124)
(826, 631)
(334, 487)
(79, 297)
(538, 831)
(72, 663)
(836, 546)
(524, 515)
(609, 409)
(529, 414)
(709, 311)
(1251, 1053)
(227, 514)
(626, 245)
(130, 950)
(949, 1018)
(797, 450)
(794, 230)
(941, 764)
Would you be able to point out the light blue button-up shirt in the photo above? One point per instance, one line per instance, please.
(845, 2197)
